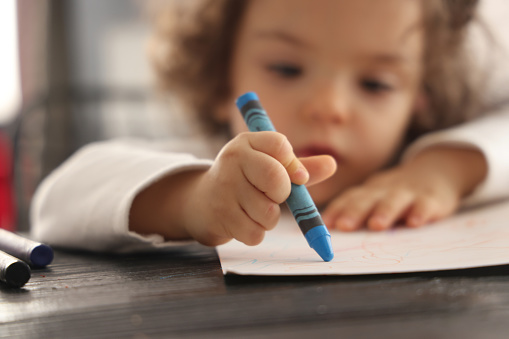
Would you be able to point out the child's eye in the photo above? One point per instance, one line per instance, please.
(285, 70)
(375, 86)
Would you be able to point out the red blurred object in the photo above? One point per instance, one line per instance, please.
(6, 194)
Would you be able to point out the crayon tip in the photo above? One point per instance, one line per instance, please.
(322, 245)
(319, 239)
(42, 255)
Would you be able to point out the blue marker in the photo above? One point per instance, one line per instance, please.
(32, 252)
(300, 203)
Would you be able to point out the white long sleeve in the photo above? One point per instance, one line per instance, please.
(489, 135)
(85, 202)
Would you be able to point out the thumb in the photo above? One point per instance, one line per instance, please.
(319, 167)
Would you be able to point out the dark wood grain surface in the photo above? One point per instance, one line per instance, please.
(182, 293)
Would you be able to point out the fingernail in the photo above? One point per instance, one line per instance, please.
(302, 174)
(345, 224)
(379, 222)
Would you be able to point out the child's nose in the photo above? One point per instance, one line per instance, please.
(329, 103)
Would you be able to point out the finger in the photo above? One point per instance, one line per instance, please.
(334, 217)
(258, 206)
(353, 209)
(389, 209)
(267, 175)
(277, 146)
(331, 218)
(420, 213)
(238, 225)
(319, 167)
(428, 209)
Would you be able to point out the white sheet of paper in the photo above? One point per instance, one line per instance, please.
(474, 238)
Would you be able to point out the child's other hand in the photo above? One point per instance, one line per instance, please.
(427, 188)
(239, 196)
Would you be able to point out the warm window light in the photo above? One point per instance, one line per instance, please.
(10, 93)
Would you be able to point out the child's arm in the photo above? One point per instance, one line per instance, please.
(465, 164)
(85, 202)
(238, 197)
(428, 187)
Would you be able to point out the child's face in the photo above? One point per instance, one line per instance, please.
(336, 77)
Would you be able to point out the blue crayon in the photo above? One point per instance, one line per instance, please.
(300, 203)
(32, 252)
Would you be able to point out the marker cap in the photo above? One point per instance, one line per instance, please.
(41, 255)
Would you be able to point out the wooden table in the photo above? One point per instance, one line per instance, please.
(183, 293)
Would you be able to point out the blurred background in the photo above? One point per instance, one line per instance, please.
(76, 71)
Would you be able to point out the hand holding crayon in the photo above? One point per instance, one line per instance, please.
(299, 201)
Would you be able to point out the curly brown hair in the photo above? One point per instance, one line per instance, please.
(193, 42)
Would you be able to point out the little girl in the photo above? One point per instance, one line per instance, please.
(348, 84)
